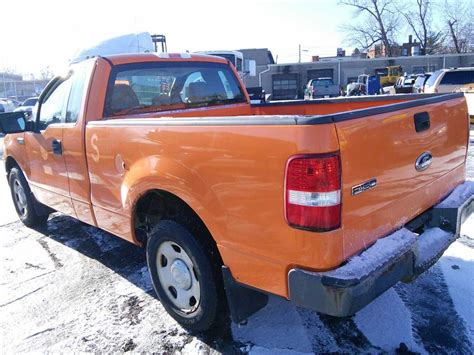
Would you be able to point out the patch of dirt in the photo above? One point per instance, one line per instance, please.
(132, 308)
(129, 346)
(57, 263)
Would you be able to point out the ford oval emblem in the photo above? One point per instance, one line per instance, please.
(424, 161)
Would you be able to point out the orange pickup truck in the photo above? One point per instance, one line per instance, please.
(327, 203)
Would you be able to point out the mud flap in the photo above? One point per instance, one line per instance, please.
(243, 301)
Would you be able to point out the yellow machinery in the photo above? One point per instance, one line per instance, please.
(389, 75)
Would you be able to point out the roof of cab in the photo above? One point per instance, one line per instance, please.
(118, 59)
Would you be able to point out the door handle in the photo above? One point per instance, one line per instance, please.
(57, 147)
(20, 140)
(422, 121)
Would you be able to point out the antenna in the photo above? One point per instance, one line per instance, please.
(159, 39)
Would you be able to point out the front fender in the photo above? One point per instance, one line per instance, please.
(16, 151)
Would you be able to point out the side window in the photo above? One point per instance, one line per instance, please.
(53, 108)
(239, 65)
(458, 78)
(450, 78)
(75, 97)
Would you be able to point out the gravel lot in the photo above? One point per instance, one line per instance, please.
(70, 286)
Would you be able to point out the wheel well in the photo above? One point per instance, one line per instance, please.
(157, 205)
(10, 163)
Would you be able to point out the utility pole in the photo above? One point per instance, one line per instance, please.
(299, 52)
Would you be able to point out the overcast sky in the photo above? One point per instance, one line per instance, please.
(35, 34)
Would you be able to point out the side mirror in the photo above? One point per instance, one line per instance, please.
(14, 122)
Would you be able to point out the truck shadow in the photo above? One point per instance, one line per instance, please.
(126, 260)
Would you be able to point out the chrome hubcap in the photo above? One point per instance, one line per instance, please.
(177, 276)
(20, 197)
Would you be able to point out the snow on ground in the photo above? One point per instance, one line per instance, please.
(386, 323)
(70, 286)
(457, 264)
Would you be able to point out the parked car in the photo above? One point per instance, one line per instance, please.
(468, 91)
(326, 203)
(16, 102)
(419, 85)
(449, 80)
(6, 105)
(27, 105)
(365, 85)
(321, 87)
(404, 84)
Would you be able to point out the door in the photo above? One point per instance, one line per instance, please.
(48, 175)
(285, 86)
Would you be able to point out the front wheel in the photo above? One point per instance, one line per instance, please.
(183, 276)
(24, 201)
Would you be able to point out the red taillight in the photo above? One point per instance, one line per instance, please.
(313, 192)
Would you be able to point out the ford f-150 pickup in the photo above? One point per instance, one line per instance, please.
(327, 203)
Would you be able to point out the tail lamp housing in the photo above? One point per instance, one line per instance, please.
(313, 192)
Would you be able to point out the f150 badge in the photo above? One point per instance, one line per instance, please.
(358, 189)
(423, 162)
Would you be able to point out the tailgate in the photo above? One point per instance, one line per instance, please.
(397, 161)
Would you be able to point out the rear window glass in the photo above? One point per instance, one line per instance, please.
(461, 77)
(153, 87)
(323, 82)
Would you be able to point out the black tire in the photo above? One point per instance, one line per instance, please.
(205, 316)
(28, 208)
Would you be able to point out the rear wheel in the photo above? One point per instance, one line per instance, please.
(25, 204)
(183, 276)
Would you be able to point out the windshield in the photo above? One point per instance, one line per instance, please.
(152, 87)
(381, 72)
(432, 79)
(30, 102)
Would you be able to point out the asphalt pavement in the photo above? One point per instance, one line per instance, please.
(72, 287)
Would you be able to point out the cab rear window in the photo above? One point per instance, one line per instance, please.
(154, 87)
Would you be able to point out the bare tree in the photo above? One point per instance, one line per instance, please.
(10, 70)
(378, 23)
(419, 19)
(459, 17)
(46, 73)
